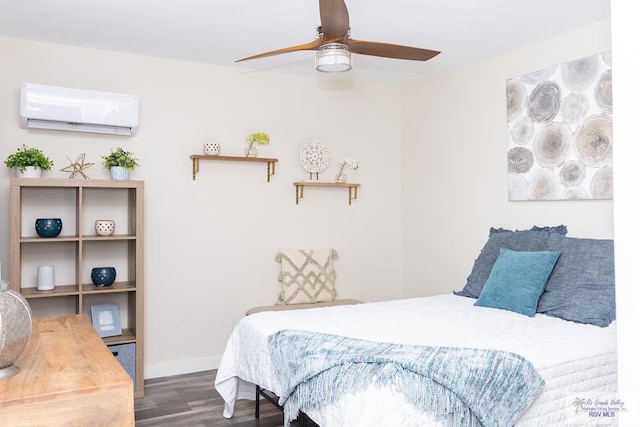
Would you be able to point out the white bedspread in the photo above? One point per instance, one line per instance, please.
(574, 359)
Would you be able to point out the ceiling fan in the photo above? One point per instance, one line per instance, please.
(334, 45)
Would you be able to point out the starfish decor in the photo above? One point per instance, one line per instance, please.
(78, 167)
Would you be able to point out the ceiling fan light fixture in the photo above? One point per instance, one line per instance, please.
(333, 58)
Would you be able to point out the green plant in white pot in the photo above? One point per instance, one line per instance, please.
(28, 162)
(119, 162)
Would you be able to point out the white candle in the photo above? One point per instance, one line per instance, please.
(45, 277)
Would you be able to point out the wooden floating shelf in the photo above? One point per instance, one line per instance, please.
(352, 187)
(271, 162)
(85, 237)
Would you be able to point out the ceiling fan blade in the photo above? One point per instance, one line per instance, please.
(314, 45)
(387, 50)
(334, 20)
(334, 28)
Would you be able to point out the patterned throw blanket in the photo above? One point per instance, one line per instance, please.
(460, 386)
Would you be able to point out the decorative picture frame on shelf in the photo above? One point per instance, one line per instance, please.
(106, 319)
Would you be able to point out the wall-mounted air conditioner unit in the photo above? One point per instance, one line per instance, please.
(61, 108)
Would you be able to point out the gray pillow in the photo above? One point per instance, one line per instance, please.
(581, 287)
(526, 240)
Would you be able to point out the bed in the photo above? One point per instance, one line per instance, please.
(570, 347)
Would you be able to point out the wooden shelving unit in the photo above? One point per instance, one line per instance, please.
(271, 162)
(78, 248)
(352, 187)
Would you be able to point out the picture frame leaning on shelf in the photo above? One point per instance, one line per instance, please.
(106, 319)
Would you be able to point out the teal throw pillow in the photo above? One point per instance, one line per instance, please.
(517, 280)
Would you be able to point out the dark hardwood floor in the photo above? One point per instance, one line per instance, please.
(191, 400)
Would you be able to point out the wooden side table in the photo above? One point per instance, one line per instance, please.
(68, 377)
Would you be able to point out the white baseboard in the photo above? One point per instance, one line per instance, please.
(157, 370)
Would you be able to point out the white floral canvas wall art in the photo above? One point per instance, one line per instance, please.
(559, 132)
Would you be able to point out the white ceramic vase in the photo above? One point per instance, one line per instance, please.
(46, 277)
(29, 172)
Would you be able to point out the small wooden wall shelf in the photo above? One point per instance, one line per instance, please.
(271, 163)
(352, 187)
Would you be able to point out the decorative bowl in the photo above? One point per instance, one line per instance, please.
(103, 276)
(211, 148)
(105, 227)
(48, 227)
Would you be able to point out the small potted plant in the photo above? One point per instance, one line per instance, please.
(259, 138)
(341, 177)
(119, 162)
(28, 162)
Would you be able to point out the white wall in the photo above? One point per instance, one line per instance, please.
(454, 144)
(626, 91)
(200, 278)
(210, 244)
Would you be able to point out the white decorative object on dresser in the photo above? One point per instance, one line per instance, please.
(15, 329)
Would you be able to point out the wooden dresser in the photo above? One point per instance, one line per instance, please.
(68, 377)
